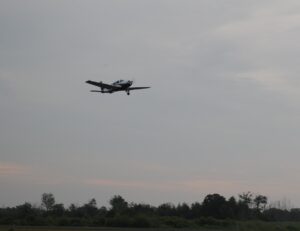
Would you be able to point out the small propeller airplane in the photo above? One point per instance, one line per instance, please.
(120, 85)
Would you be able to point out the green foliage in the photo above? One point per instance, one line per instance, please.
(118, 204)
(48, 201)
(58, 210)
(119, 221)
(141, 221)
(260, 202)
(175, 222)
(212, 222)
(246, 198)
(166, 209)
(214, 205)
(214, 212)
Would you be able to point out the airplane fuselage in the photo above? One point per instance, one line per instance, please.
(120, 85)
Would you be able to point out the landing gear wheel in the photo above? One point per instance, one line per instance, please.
(128, 93)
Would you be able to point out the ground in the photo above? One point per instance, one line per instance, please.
(240, 226)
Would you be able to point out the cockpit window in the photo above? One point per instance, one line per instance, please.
(119, 81)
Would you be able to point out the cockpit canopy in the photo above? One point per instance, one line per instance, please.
(119, 81)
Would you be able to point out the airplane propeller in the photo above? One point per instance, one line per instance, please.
(132, 81)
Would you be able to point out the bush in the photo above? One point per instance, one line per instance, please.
(175, 222)
(141, 222)
(119, 221)
(63, 221)
(210, 221)
(99, 221)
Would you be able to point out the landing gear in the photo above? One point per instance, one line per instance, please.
(128, 92)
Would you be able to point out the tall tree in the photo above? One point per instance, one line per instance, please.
(260, 202)
(213, 205)
(118, 203)
(48, 201)
(91, 207)
(232, 207)
(246, 198)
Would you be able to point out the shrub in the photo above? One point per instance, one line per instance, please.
(175, 222)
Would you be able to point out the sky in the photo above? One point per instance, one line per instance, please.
(221, 116)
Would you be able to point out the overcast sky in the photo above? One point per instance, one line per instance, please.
(222, 115)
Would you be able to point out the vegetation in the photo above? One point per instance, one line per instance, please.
(248, 212)
(239, 226)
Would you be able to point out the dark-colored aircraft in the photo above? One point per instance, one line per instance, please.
(120, 85)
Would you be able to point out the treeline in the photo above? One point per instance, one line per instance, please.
(214, 210)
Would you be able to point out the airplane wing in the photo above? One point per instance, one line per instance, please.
(137, 88)
(102, 85)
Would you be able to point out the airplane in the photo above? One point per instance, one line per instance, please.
(120, 85)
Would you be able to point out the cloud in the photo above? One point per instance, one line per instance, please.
(265, 47)
(129, 184)
(7, 169)
(194, 119)
(193, 185)
(273, 81)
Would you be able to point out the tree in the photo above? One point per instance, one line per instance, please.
(246, 198)
(244, 205)
(145, 209)
(232, 208)
(91, 207)
(48, 201)
(274, 214)
(73, 210)
(260, 202)
(295, 214)
(183, 210)
(196, 210)
(58, 210)
(24, 210)
(92, 203)
(214, 205)
(166, 209)
(118, 203)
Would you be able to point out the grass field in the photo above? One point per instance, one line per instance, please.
(240, 226)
